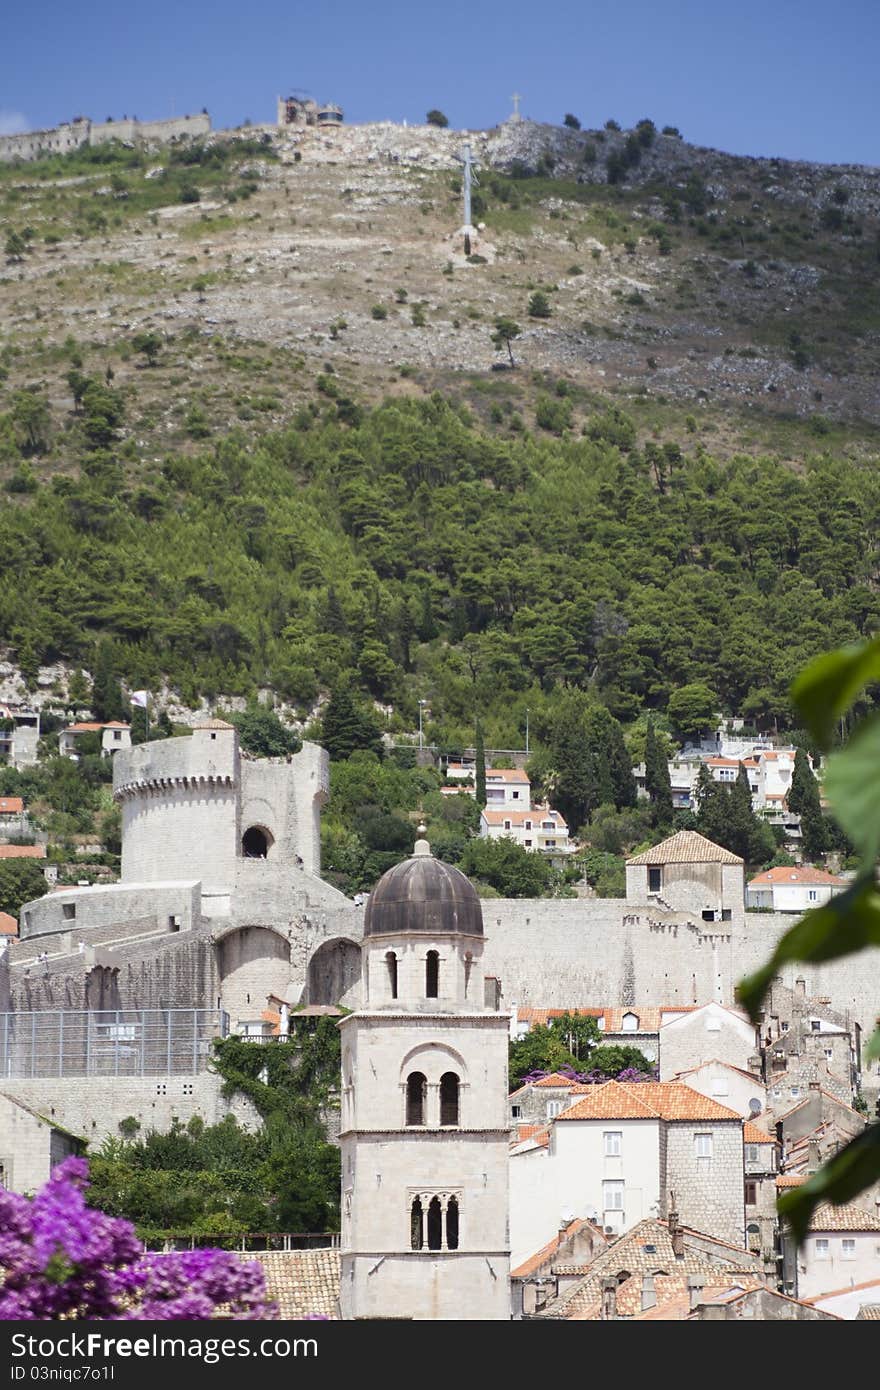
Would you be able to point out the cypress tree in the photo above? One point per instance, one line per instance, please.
(803, 801)
(657, 783)
(481, 767)
(107, 701)
(347, 726)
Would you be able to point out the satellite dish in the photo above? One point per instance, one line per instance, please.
(755, 1106)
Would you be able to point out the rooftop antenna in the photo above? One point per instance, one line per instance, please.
(470, 177)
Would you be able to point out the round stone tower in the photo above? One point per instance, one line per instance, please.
(424, 1109)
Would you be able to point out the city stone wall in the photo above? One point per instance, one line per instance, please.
(92, 1107)
(63, 138)
(108, 913)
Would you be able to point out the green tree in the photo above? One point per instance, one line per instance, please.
(692, 709)
(261, 732)
(803, 801)
(107, 699)
(32, 421)
(539, 306)
(480, 767)
(506, 329)
(571, 121)
(16, 246)
(435, 117)
(504, 865)
(149, 344)
(542, 1049)
(614, 1058)
(20, 881)
(347, 725)
(657, 780)
(79, 691)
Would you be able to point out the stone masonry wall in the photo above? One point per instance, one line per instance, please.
(709, 1192)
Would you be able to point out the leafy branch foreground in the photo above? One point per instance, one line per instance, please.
(824, 693)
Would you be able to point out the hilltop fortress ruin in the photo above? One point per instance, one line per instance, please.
(221, 915)
(73, 135)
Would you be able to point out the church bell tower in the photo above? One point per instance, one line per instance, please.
(424, 1109)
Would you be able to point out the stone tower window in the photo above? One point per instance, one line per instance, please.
(452, 1224)
(435, 1224)
(655, 877)
(468, 967)
(432, 975)
(416, 1090)
(256, 842)
(415, 1224)
(449, 1093)
(391, 962)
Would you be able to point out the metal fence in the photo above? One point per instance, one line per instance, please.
(108, 1042)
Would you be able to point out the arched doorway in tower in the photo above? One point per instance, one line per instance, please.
(252, 962)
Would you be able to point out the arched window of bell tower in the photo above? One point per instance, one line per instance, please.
(416, 1237)
(435, 1224)
(452, 1224)
(416, 1092)
(449, 1096)
(432, 975)
(391, 962)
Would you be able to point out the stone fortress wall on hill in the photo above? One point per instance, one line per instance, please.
(73, 135)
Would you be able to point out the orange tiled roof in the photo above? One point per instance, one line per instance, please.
(790, 1179)
(650, 1017)
(213, 724)
(646, 1100)
(22, 851)
(685, 847)
(556, 1079)
(8, 925)
(728, 1066)
(301, 1281)
(796, 875)
(93, 728)
(11, 806)
(753, 1135)
(506, 774)
(828, 1217)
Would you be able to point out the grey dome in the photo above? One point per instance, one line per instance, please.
(423, 895)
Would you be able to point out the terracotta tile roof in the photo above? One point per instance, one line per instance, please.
(301, 1281)
(869, 1312)
(790, 1179)
(650, 1016)
(11, 806)
(92, 728)
(8, 925)
(556, 1079)
(731, 762)
(518, 817)
(674, 1300)
(213, 724)
(796, 875)
(647, 1249)
(828, 1217)
(547, 1251)
(506, 774)
(524, 1132)
(685, 847)
(22, 851)
(753, 1135)
(643, 1100)
(540, 1138)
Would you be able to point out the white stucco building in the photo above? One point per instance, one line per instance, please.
(424, 1132)
(615, 1153)
(114, 737)
(793, 889)
(842, 1247)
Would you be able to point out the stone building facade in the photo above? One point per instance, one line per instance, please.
(30, 1146)
(71, 135)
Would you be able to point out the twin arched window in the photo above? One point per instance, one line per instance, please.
(430, 1220)
(417, 1094)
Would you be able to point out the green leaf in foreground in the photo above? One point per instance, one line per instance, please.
(848, 923)
(852, 785)
(828, 686)
(843, 1177)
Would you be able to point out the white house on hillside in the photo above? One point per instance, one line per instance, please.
(793, 889)
(114, 736)
(509, 814)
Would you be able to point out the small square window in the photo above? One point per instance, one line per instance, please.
(848, 1249)
(68, 911)
(613, 1139)
(816, 1025)
(516, 1112)
(821, 1249)
(703, 1145)
(654, 880)
(553, 1108)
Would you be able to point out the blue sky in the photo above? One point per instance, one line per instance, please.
(795, 78)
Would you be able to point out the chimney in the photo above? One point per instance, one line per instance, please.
(649, 1295)
(814, 1158)
(695, 1285)
(815, 1085)
(609, 1299)
(800, 986)
(676, 1234)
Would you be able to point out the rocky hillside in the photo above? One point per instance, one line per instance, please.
(697, 282)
